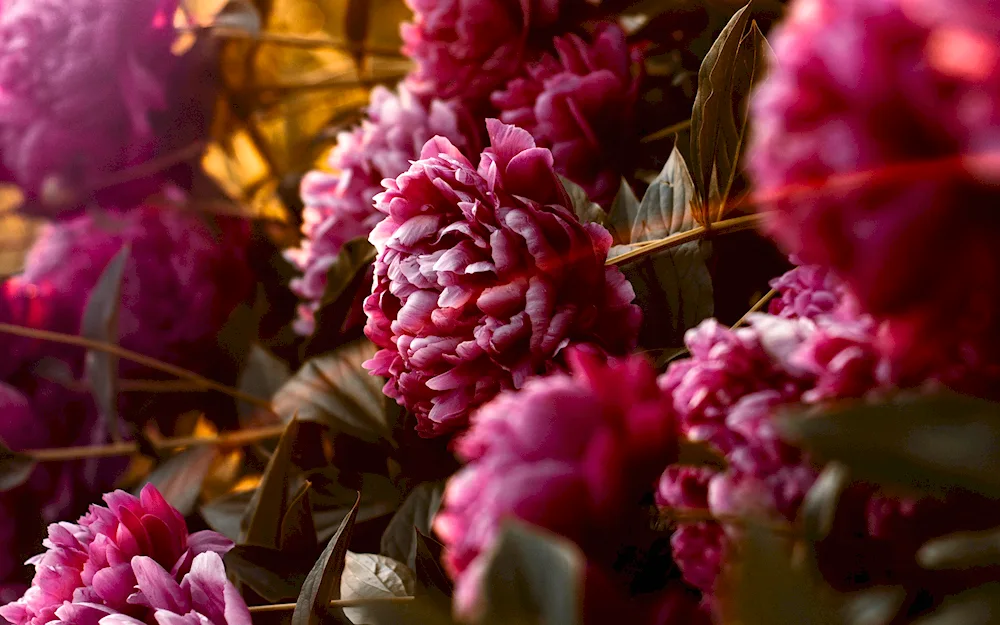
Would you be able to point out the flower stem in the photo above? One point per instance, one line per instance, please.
(666, 132)
(121, 352)
(340, 603)
(756, 307)
(295, 41)
(736, 224)
(230, 439)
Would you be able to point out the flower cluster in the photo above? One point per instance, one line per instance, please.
(579, 104)
(81, 85)
(483, 276)
(130, 562)
(182, 280)
(338, 206)
(869, 200)
(571, 453)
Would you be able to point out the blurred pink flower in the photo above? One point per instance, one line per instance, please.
(580, 105)
(92, 564)
(466, 49)
(573, 453)
(868, 200)
(483, 277)
(181, 283)
(807, 291)
(338, 206)
(80, 83)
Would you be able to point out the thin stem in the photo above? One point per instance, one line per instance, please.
(159, 386)
(229, 439)
(340, 603)
(153, 166)
(328, 83)
(756, 307)
(666, 132)
(295, 41)
(736, 224)
(121, 352)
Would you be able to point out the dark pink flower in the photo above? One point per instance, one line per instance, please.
(466, 49)
(807, 291)
(572, 453)
(580, 105)
(338, 206)
(181, 283)
(80, 83)
(483, 277)
(867, 199)
(93, 562)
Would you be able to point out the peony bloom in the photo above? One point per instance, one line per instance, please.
(580, 105)
(483, 277)
(80, 84)
(466, 49)
(338, 206)
(807, 292)
(572, 453)
(181, 283)
(868, 200)
(98, 563)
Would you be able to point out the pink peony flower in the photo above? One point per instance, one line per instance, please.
(483, 277)
(338, 206)
(573, 453)
(181, 283)
(868, 200)
(580, 105)
(98, 562)
(80, 82)
(807, 292)
(466, 49)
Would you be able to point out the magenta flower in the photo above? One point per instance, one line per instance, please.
(572, 453)
(466, 49)
(94, 562)
(807, 292)
(483, 277)
(181, 283)
(580, 105)
(868, 200)
(80, 82)
(338, 206)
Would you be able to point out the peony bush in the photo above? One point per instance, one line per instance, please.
(805, 429)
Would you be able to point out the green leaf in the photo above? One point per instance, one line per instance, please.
(275, 575)
(820, 504)
(768, 591)
(332, 501)
(622, 215)
(347, 279)
(240, 15)
(100, 323)
(179, 479)
(735, 62)
(430, 575)
(932, 444)
(532, 576)
(336, 391)
(978, 606)
(673, 287)
(877, 606)
(961, 550)
(270, 502)
(370, 576)
(262, 377)
(322, 585)
(585, 210)
(298, 530)
(667, 207)
(15, 468)
(225, 514)
(417, 513)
